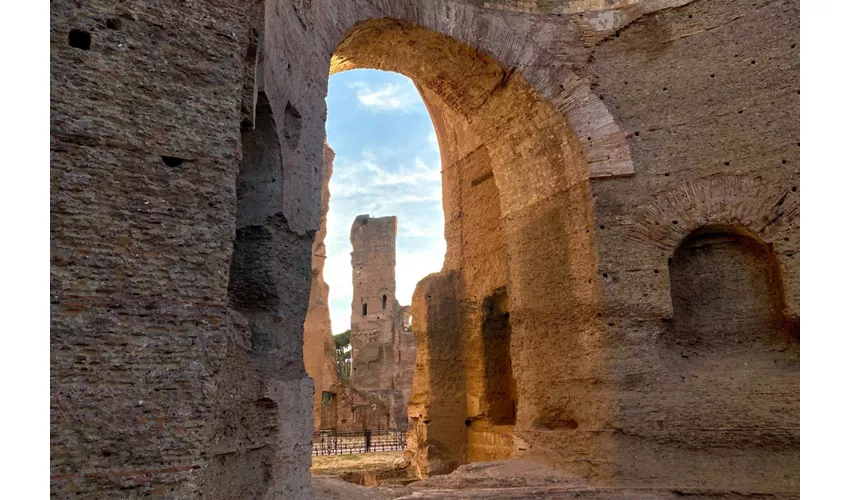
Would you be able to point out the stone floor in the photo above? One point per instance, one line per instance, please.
(512, 479)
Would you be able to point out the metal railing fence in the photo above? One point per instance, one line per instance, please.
(329, 442)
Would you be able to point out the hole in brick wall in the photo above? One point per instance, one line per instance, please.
(784, 162)
(794, 189)
(726, 163)
(655, 271)
(604, 275)
(113, 23)
(637, 134)
(79, 39)
(499, 384)
(675, 222)
(712, 75)
(753, 61)
(666, 174)
(690, 16)
(602, 227)
(251, 51)
(740, 111)
(467, 422)
(172, 161)
(664, 89)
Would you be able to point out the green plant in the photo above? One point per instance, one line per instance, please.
(342, 354)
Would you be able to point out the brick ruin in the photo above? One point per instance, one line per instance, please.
(383, 351)
(377, 395)
(620, 295)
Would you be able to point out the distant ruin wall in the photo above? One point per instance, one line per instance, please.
(404, 352)
(318, 337)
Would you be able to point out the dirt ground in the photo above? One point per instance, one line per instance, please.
(499, 480)
(334, 464)
(340, 477)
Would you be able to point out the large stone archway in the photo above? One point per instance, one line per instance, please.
(154, 382)
(516, 195)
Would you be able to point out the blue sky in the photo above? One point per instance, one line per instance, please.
(387, 163)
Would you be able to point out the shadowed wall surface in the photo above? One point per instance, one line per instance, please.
(602, 135)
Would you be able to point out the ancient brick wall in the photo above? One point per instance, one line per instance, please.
(437, 436)
(475, 247)
(173, 355)
(635, 148)
(715, 144)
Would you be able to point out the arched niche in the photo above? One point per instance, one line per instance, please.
(730, 360)
(726, 290)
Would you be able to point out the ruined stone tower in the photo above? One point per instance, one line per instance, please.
(373, 304)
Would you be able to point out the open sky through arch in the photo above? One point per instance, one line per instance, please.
(387, 163)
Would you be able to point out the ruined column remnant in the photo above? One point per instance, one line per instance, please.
(373, 275)
(383, 350)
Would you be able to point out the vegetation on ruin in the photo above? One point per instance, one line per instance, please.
(342, 354)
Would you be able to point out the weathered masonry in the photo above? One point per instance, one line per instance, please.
(620, 295)
(383, 351)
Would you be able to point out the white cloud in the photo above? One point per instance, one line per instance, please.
(387, 97)
(365, 175)
(433, 143)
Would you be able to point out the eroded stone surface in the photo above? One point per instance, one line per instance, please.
(318, 336)
(512, 479)
(580, 151)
